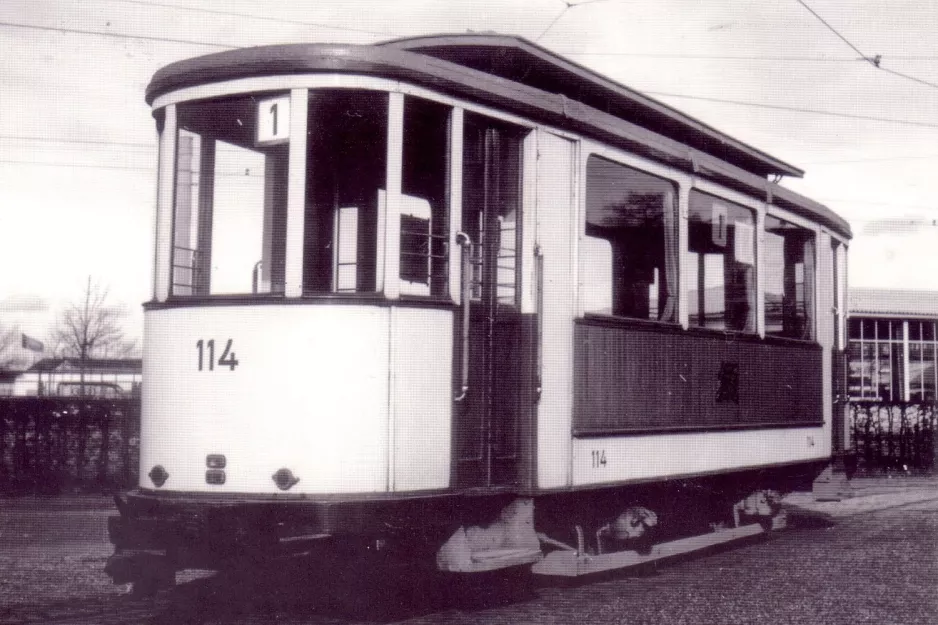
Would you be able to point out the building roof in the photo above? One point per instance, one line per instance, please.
(893, 302)
(92, 365)
(8, 376)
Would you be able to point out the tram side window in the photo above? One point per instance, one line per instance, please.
(721, 264)
(229, 225)
(628, 261)
(345, 190)
(424, 215)
(789, 279)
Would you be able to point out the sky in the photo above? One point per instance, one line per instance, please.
(795, 79)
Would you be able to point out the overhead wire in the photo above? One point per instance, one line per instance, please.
(554, 21)
(253, 16)
(80, 31)
(715, 57)
(875, 60)
(832, 29)
(81, 165)
(795, 109)
(567, 7)
(79, 141)
(225, 174)
(730, 57)
(875, 159)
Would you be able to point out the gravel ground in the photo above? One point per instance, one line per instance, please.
(877, 564)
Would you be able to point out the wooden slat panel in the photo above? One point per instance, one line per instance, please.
(633, 378)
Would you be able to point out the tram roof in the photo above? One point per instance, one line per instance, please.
(515, 74)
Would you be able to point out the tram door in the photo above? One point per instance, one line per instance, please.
(486, 443)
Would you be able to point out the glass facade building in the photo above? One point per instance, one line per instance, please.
(891, 345)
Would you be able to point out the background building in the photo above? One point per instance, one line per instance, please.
(7, 380)
(891, 347)
(99, 377)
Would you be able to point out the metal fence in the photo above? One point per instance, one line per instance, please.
(62, 444)
(889, 437)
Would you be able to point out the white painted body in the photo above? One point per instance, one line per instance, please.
(660, 456)
(567, 462)
(357, 399)
(311, 393)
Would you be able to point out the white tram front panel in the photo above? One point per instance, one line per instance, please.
(306, 388)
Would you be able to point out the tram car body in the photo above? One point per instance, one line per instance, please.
(460, 294)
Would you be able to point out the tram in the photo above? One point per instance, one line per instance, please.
(461, 297)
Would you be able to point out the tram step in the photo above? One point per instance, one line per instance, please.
(571, 564)
(500, 556)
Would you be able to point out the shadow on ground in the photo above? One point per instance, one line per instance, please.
(300, 591)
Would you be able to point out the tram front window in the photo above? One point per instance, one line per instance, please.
(345, 190)
(229, 226)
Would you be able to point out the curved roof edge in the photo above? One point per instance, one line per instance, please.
(486, 88)
(525, 61)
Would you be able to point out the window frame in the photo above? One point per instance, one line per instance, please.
(195, 210)
(758, 212)
(164, 110)
(902, 339)
(760, 208)
(818, 259)
(680, 182)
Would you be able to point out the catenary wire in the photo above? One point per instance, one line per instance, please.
(832, 29)
(875, 60)
(80, 31)
(252, 16)
(730, 57)
(793, 109)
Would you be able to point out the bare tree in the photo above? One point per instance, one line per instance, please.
(89, 328)
(8, 339)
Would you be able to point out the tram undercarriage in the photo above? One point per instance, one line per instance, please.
(560, 535)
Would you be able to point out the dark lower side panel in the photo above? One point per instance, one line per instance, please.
(640, 378)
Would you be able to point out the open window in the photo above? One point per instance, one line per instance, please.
(229, 220)
(721, 264)
(491, 210)
(424, 239)
(628, 265)
(345, 186)
(789, 279)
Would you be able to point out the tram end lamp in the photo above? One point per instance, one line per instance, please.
(158, 475)
(284, 479)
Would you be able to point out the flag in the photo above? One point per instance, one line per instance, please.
(32, 344)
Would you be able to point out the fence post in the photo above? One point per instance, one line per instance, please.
(105, 451)
(3, 443)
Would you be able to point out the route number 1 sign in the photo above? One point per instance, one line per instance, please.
(273, 120)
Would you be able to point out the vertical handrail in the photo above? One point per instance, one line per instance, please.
(539, 320)
(463, 240)
(255, 276)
